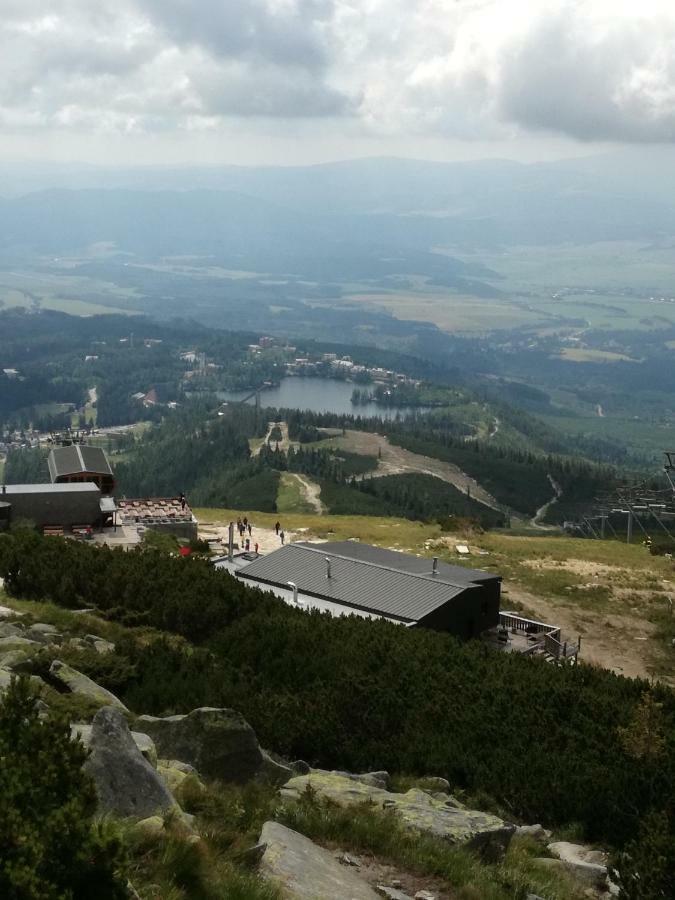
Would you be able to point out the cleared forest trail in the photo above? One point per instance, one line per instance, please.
(393, 460)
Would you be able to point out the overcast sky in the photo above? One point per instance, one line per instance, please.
(295, 81)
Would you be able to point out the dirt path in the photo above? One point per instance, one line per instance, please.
(284, 444)
(392, 460)
(537, 521)
(617, 642)
(311, 493)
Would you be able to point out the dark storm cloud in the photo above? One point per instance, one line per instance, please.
(283, 33)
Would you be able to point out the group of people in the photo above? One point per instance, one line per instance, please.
(243, 526)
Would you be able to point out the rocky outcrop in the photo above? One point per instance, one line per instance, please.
(416, 810)
(304, 871)
(219, 743)
(78, 683)
(589, 866)
(126, 783)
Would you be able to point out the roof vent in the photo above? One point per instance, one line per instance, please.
(434, 566)
(328, 569)
(294, 588)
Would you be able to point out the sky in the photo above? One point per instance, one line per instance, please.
(299, 81)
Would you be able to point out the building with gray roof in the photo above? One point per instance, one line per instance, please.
(349, 576)
(60, 506)
(78, 463)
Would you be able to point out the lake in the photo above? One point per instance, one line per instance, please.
(319, 395)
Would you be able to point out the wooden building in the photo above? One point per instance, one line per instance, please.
(79, 463)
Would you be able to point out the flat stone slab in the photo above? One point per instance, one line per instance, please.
(79, 683)
(305, 871)
(416, 810)
(582, 862)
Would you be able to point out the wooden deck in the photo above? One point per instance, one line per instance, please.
(516, 634)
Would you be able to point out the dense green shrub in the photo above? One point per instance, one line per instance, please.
(550, 744)
(646, 868)
(49, 848)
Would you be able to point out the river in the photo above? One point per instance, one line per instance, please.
(320, 395)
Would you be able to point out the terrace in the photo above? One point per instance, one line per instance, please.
(516, 634)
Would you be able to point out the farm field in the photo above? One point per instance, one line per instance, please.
(75, 295)
(615, 597)
(450, 311)
(610, 286)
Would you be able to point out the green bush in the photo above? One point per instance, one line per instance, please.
(360, 695)
(49, 847)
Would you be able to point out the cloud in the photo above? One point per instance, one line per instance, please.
(473, 69)
(283, 33)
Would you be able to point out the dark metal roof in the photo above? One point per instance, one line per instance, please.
(360, 583)
(51, 490)
(459, 576)
(77, 459)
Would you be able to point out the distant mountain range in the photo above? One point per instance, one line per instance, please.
(382, 203)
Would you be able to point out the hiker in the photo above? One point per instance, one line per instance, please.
(182, 500)
(256, 548)
(247, 545)
(250, 530)
(239, 525)
(245, 523)
(283, 537)
(277, 527)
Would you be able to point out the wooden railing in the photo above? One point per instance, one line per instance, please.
(551, 637)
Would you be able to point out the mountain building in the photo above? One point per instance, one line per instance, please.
(349, 577)
(79, 463)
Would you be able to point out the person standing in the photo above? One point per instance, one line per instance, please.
(277, 527)
(282, 536)
(250, 530)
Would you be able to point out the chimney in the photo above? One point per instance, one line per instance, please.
(230, 543)
(434, 566)
(328, 572)
(294, 586)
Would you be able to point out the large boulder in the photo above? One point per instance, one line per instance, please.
(17, 643)
(416, 810)
(126, 783)
(44, 634)
(10, 629)
(6, 676)
(304, 871)
(78, 683)
(143, 741)
(589, 866)
(219, 743)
